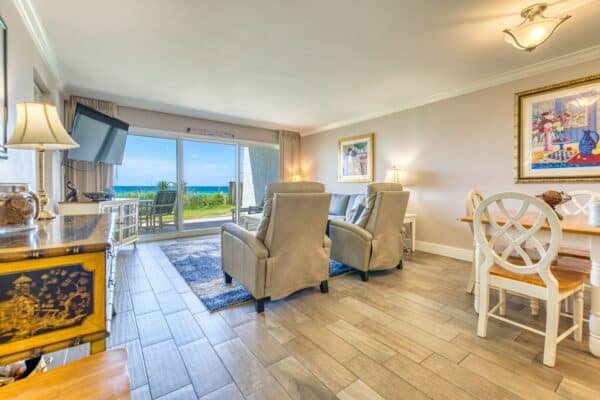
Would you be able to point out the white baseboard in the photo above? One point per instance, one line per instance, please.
(443, 250)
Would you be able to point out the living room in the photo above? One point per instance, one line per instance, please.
(300, 200)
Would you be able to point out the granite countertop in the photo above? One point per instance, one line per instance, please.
(61, 236)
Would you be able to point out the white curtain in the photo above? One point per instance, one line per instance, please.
(88, 176)
(290, 152)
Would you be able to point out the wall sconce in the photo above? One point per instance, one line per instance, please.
(535, 30)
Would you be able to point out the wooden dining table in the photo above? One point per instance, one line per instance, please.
(575, 229)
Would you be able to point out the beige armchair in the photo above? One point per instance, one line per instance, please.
(375, 242)
(290, 250)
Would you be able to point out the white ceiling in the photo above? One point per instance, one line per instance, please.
(288, 63)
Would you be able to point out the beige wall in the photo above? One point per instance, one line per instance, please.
(23, 59)
(140, 118)
(447, 148)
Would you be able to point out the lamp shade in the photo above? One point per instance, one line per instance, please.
(38, 127)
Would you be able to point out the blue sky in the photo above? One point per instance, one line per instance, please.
(149, 160)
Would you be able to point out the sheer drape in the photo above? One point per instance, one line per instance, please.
(289, 156)
(87, 176)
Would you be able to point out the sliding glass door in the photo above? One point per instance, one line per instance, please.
(149, 172)
(187, 184)
(208, 182)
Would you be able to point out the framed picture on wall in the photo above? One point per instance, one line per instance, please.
(355, 158)
(557, 134)
(3, 91)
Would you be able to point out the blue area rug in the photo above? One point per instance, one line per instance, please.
(199, 263)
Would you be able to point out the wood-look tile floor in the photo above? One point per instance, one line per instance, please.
(406, 334)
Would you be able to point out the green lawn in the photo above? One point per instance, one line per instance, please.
(214, 211)
(199, 213)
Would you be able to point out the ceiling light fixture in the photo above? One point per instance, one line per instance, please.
(585, 101)
(535, 30)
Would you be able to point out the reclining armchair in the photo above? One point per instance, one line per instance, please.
(290, 250)
(375, 241)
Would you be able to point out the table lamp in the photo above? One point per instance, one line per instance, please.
(38, 127)
(394, 175)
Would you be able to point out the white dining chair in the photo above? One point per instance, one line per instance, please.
(534, 278)
(474, 198)
(579, 203)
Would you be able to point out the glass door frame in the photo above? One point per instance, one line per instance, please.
(180, 137)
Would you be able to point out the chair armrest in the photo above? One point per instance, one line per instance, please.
(362, 233)
(247, 237)
(326, 243)
(350, 244)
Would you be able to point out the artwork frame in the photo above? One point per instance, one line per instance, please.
(557, 132)
(3, 91)
(356, 166)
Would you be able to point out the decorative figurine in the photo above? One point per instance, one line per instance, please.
(72, 194)
(555, 198)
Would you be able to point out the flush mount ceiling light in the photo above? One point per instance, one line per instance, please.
(535, 30)
(585, 101)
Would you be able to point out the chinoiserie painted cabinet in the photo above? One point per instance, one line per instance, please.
(56, 286)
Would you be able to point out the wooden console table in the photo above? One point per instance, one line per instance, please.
(101, 377)
(56, 285)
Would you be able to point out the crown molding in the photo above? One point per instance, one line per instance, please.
(38, 35)
(578, 57)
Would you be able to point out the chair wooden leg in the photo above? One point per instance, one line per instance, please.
(471, 283)
(227, 277)
(324, 287)
(578, 315)
(484, 306)
(535, 306)
(502, 301)
(364, 276)
(400, 265)
(552, 317)
(260, 305)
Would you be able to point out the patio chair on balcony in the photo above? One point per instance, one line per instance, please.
(154, 211)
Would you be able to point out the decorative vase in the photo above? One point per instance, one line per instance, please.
(588, 142)
(19, 208)
(594, 213)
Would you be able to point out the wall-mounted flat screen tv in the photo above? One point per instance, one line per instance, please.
(101, 138)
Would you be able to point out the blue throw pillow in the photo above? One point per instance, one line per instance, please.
(359, 210)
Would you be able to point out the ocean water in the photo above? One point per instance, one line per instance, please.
(121, 190)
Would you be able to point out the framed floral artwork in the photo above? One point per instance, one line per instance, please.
(556, 132)
(355, 158)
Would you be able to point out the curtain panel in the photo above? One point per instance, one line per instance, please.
(290, 151)
(87, 176)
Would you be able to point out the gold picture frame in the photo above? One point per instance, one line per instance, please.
(355, 162)
(557, 133)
